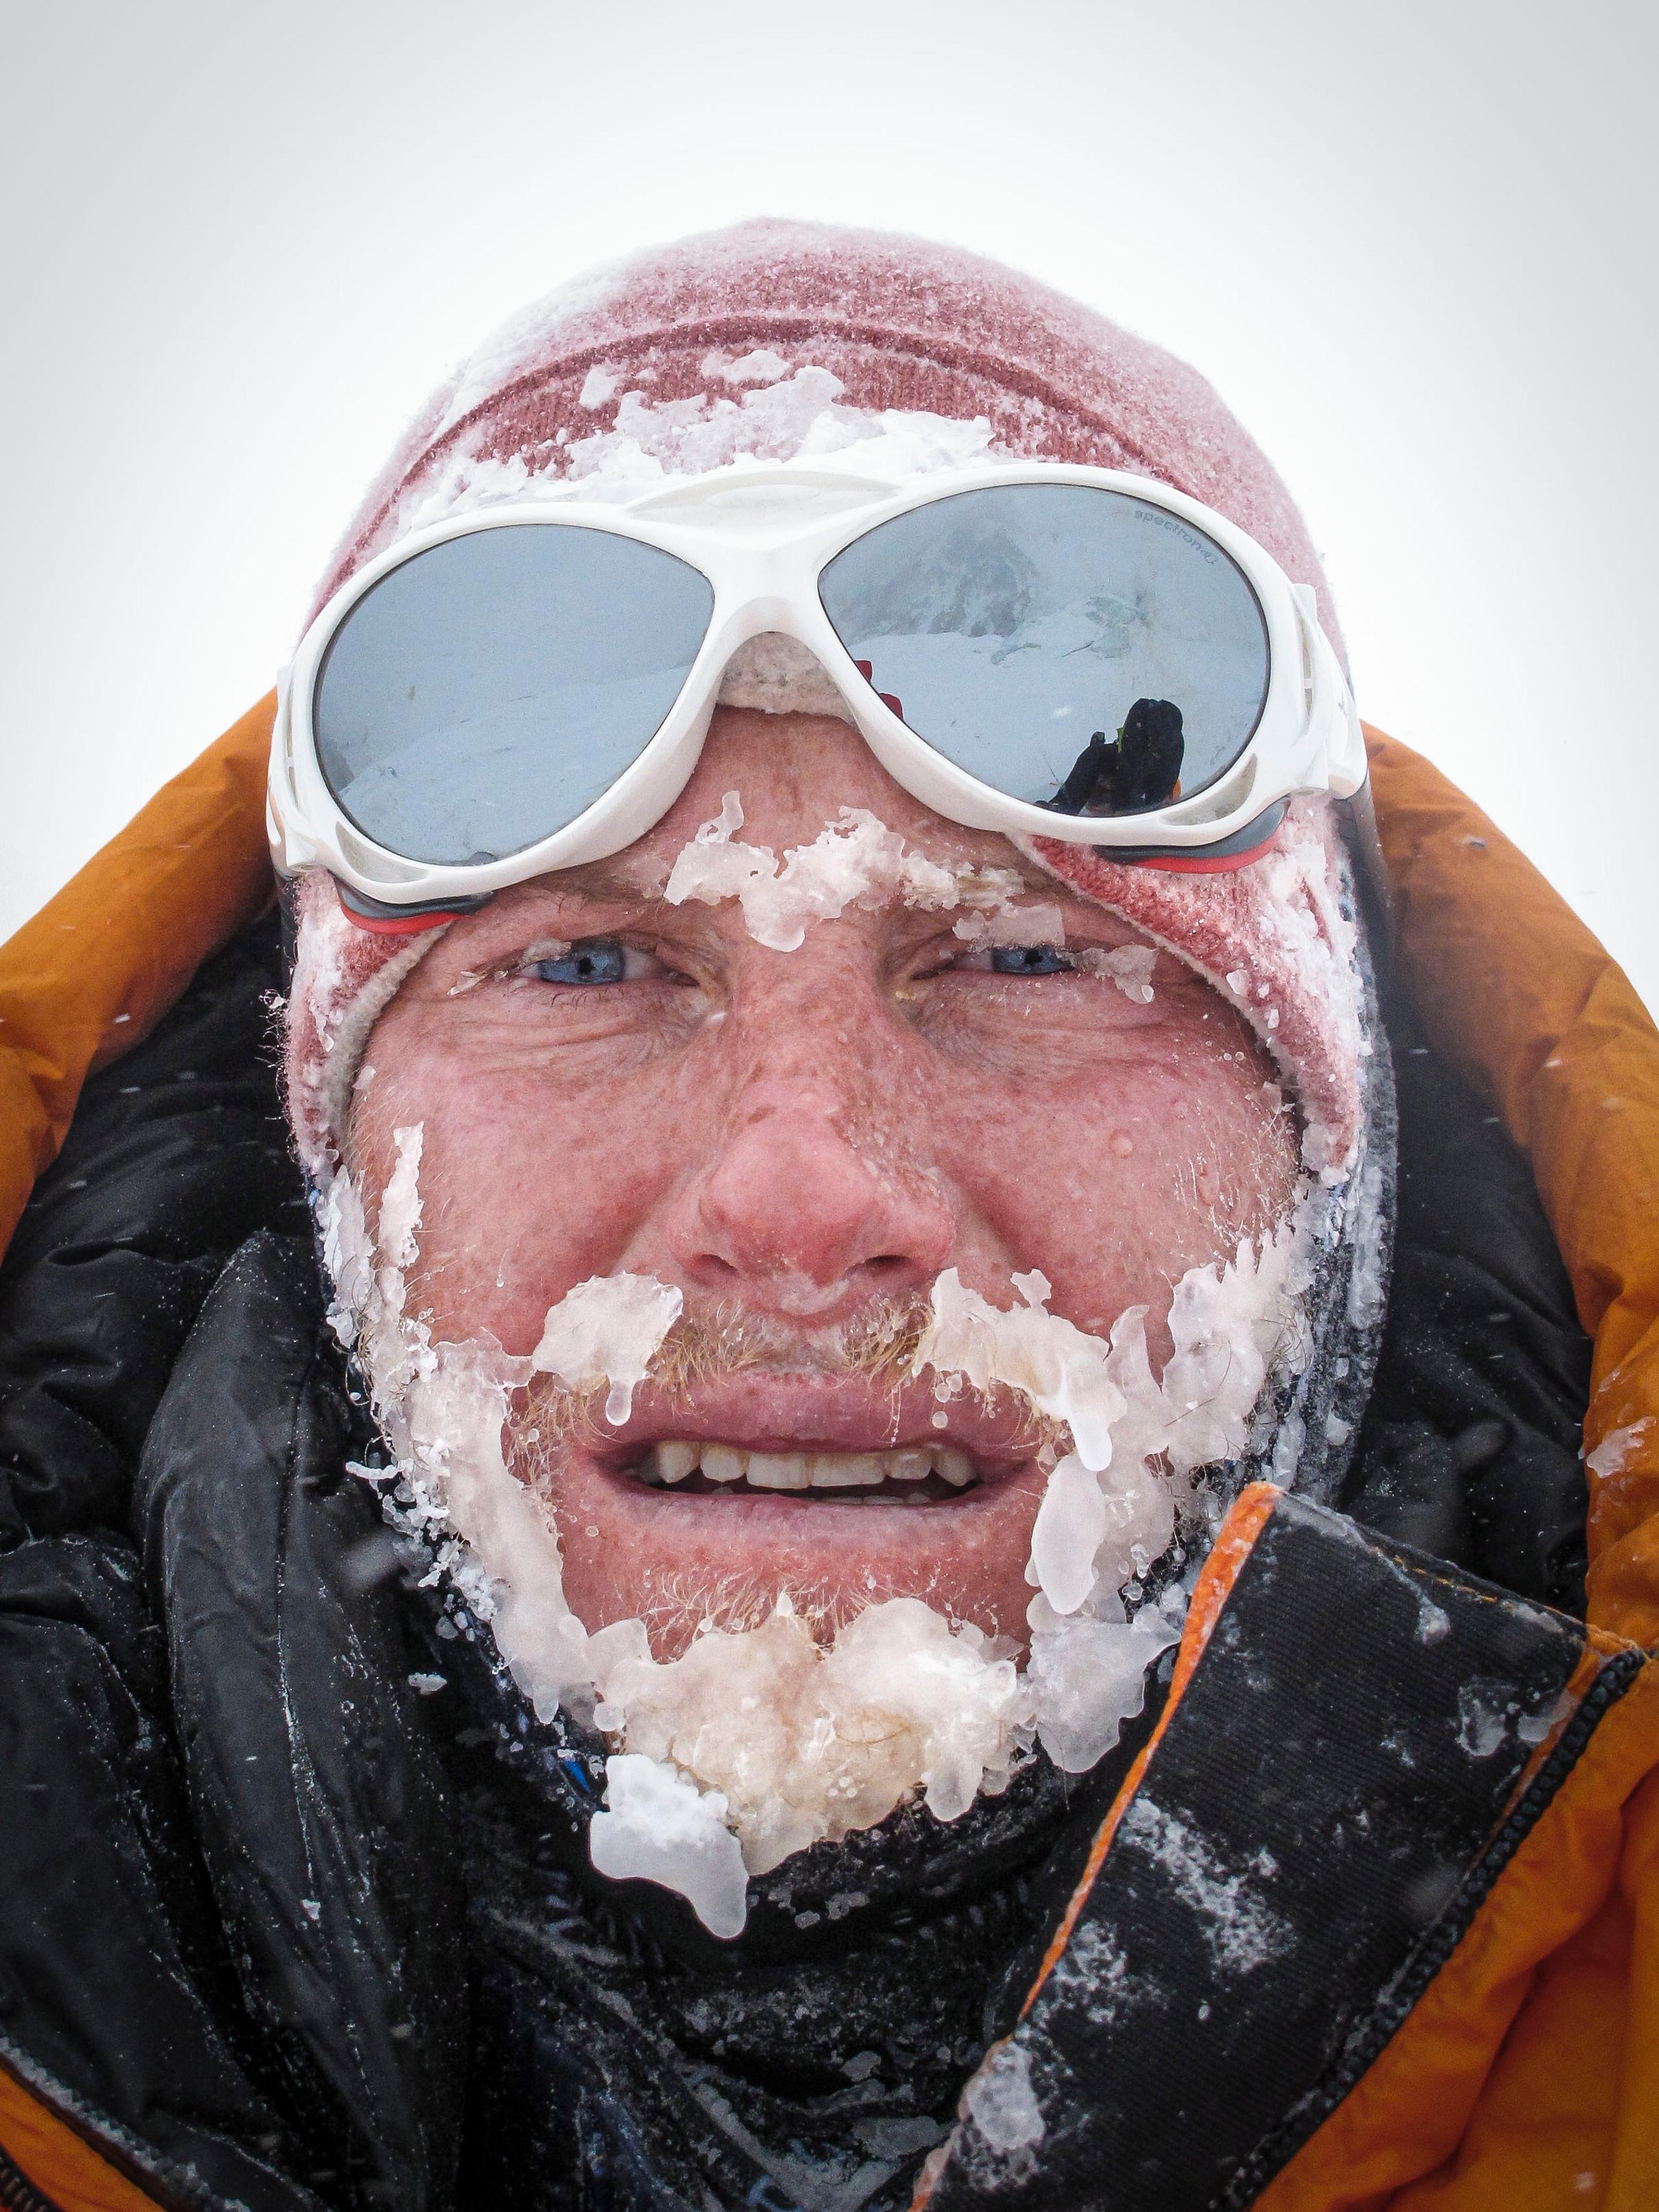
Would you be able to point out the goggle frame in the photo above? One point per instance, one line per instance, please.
(762, 534)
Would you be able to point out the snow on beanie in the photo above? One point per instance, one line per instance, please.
(773, 340)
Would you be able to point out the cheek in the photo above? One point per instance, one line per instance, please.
(1115, 1181)
(528, 1183)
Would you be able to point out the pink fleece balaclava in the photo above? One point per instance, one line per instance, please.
(778, 339)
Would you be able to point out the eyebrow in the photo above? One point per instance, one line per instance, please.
(595, 882)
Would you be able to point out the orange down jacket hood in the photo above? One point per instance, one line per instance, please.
(1515, 2063)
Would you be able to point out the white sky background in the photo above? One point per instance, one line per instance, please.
(1413, 246)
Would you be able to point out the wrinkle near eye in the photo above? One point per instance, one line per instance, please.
(1041, 1010)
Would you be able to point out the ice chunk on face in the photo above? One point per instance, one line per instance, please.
(711, 867)
(347, 1256)
(1230, 1324)
(803, 1742)
(1108, 1507)
(1070, 1527)
(658, 1827)
(608, 1329)
(400, 1207)
(855, 860)
(444, 1408)
(1048, 1360)
(1087, 1677)
(1130, 966)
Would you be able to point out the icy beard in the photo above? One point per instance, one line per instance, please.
(764, 1737)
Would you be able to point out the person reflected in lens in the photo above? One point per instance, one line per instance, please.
(1140, 768)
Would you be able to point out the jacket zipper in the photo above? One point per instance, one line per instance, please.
(18, 2192)
(1396, 2005)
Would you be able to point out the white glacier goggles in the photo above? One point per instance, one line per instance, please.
(1029, 647)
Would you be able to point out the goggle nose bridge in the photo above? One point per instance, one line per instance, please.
(781, 502)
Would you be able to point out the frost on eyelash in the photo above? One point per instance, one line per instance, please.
(855, 860)
(1130, 966)
(544, 948)
(1017, 927)
(755, 1744)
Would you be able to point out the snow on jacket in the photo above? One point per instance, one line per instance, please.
(1368, 1920)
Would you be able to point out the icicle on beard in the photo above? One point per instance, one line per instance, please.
(782, 1725)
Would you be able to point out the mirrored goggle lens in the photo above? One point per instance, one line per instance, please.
(482, 695)
(1072, 647)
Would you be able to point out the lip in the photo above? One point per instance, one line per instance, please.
(771, 1410)
(679, 1557)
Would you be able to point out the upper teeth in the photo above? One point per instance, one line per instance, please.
(672, 1462)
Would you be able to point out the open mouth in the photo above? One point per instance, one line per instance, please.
(711, 1499)
(918, 1474)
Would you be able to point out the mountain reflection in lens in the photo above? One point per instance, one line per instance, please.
(484, 694)
(1023, 624)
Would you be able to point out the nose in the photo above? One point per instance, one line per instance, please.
(796, 1214)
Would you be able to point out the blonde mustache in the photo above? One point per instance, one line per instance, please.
(879, 1348)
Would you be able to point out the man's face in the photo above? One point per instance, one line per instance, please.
(801, 1142)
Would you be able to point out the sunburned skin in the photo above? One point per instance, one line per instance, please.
(800, 1141)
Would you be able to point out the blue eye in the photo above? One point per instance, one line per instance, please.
(1029, 960)
(590, 960)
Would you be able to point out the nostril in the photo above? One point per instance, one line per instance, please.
(887, 1263)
